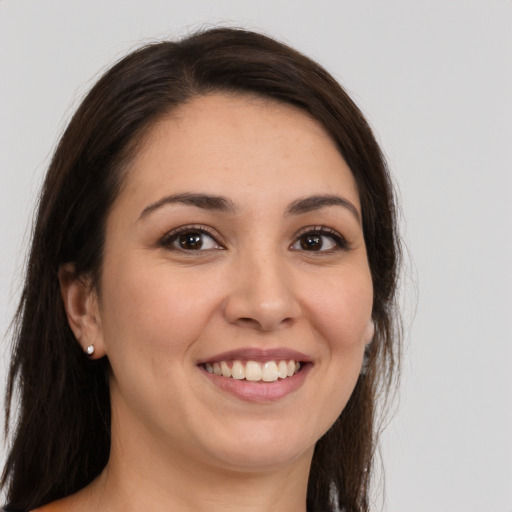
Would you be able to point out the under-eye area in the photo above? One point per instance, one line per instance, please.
(255, 371)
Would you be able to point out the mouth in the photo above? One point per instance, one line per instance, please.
(257, 375)
(254, 371)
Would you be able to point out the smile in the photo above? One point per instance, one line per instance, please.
(254, 371)
(257, 375)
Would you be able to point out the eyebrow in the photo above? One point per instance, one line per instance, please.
(225, 205)
(204, 201)
(311, 203)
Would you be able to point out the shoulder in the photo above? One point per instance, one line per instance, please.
(51, 507)
(66, 504)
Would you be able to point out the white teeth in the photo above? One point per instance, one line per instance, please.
(238, 370)
(254, 371)
(269, 372)
(282, 368)
(226, 370)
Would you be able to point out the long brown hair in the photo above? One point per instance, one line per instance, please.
(61, 438)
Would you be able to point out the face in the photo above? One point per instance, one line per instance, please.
(235, 247)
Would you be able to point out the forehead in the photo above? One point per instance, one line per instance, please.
(243, 145)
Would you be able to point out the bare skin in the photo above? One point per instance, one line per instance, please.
(267, 258)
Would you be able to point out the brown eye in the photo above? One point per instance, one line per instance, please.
(321, 239)
(311, 242)
(190, 241)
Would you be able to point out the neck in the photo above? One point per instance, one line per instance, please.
(149, 474)
(189, 487)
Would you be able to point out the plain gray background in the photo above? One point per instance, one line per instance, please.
(435, 80)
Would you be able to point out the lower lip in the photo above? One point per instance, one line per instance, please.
(259, 391)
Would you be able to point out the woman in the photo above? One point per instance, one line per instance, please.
(208, 316)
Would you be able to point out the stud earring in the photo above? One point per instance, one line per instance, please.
(89, 350)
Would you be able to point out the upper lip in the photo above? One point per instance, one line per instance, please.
(258, 354)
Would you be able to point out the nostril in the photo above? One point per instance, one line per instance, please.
(264, 324)
(250, 322)
(247, 320)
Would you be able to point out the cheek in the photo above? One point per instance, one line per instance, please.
(151, 323)
(341, 312)
(154, 312)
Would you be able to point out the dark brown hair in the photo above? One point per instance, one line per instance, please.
(61, 436)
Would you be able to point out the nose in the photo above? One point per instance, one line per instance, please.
(262, 294)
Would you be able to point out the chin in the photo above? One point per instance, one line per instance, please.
(256, 459)
(263, 447)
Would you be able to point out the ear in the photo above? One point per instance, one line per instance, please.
(369, 332)
(82, 309)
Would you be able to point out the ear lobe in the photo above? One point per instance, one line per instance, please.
(370, 332)
(81, 305)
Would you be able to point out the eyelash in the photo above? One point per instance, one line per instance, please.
(169, 239)
(339, 240)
